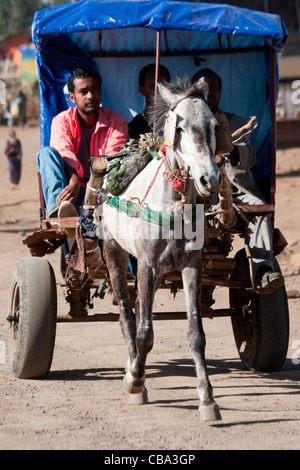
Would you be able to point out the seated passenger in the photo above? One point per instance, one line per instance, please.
(77, 135)
(139, 124)
(245, 191)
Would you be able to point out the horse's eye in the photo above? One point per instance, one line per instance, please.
(179, 130)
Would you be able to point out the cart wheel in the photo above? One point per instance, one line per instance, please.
(261, 325)
(32, 318)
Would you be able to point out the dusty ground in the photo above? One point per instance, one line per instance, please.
(82, 405)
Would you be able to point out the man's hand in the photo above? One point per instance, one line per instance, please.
(71, 191)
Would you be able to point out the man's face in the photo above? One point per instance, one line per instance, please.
(148, 89)
(214, 94)
(87, 95)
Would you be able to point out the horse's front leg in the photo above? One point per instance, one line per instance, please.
(117, 263)
(135, 374)
(192, 278)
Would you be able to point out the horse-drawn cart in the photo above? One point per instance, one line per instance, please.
(119, 39)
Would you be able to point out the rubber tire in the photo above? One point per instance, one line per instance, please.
(34, 303)
(261, 334)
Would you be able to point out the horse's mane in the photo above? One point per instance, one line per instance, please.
(182, 87)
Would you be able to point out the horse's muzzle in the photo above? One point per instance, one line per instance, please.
(210, 184)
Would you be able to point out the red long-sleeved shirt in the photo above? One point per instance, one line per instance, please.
(111, 132)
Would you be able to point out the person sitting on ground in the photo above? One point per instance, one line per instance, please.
(139, 124)
(78, 134)
(245, 191)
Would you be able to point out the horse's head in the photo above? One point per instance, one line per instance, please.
(189, 130)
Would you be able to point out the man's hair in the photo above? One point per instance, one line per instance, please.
(82, 73)
(206, 73)
(151, 68)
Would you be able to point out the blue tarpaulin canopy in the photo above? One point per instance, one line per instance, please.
(95, 15)
(119, 38)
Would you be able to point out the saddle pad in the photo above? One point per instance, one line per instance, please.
(125, 168)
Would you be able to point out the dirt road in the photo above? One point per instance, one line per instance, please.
(82, 404)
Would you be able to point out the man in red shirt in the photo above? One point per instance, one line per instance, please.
(78, 134)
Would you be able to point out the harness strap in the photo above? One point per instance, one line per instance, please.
(143, 212)
(149, 187)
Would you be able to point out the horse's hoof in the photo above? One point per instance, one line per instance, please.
(130, 387)
(139, 398)
(210, 412)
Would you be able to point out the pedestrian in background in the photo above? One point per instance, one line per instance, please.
(13, 151)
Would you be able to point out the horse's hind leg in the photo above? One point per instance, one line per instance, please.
(209, 410)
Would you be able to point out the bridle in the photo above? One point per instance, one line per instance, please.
(178, 178)
(171, 137)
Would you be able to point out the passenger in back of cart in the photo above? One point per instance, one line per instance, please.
(242, 158)
(140, 123)
(82, 132)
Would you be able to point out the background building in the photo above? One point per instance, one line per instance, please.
(288, 103)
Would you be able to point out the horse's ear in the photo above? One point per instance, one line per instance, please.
(203, 87)
(166, 94)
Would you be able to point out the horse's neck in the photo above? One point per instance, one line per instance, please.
(153, 187)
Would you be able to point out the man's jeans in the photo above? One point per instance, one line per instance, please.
(52, 170)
